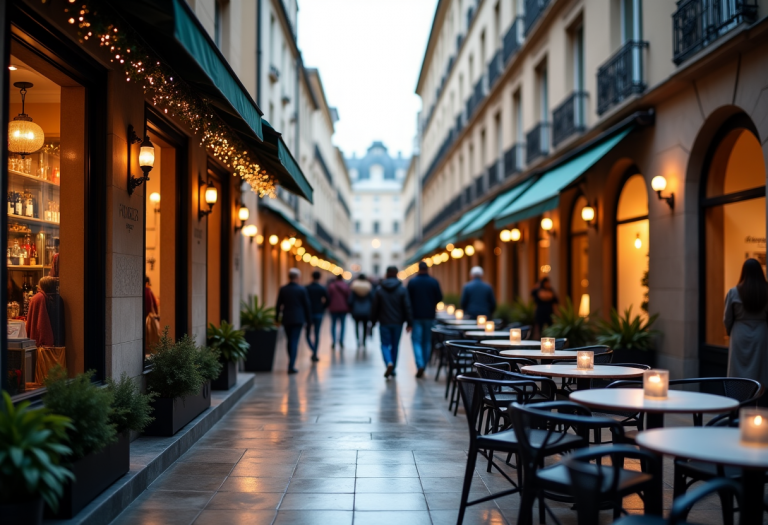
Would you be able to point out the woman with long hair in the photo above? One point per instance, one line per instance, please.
(746, 322)
(545, 298)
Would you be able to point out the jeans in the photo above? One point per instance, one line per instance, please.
(390, 341)
(361, 325)
(421, 336)
(338, 318)
(317, 322)
(292, 338)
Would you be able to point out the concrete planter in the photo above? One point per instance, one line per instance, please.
(227, 378)
(261, 356)
(172, 414)
(28, 512)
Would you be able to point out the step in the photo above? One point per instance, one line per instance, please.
(151, 456)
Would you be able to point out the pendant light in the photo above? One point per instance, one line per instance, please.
(24, 136)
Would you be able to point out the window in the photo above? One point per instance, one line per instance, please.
(376, 172)
(217, 30)
(375, 226)
(376, 269)
(579, 258)
(632, 245)
(357, 226)
(396, 227)
(271, 44)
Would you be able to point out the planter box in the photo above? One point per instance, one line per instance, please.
(639, 357)
(23, 513)
(172, 414)
(93, 474)
(227, 378)
(262, 352)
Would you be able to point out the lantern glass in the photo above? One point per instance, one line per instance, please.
(211, 195)
(547, 345)
(656, 384)
(505, 235)
(659, 183)
(515, 336)
(469, 250)
(24, 137)
(585, 360)
(515, 234)
(243, 213)
(753, 426)
(285, 245)
(481, 319)
(546, 224)
(459, 314)
(147, 156)
(250, 230)
(490, 326)
(154, 197)
(273, 239)
(588, 214)
(450, 309)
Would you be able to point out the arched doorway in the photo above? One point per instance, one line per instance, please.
(733, 228)
(579, 271)
(632, 245)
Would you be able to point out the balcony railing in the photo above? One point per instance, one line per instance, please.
(533, 10)
(513, 160)
(569, 117)
(495, 68)
(698, 23)
(537, 142)
(467, 195)
(621, 76)
(479, 186)
(323, 233)
(476, 97)
(493, 173)
(513, 39)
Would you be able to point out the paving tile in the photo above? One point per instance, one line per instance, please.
(396, 517)
(328, 470)
(235, 517)
(379, 457)
(245, 501)
(176, 481)
(302, 501)
(200, 469)
(414, 501)
(387, 485)
(314, 517)
(323, 485)
(133, 515)
(212, 455)
(252, 484)
(450, 484)
(173, 499)
(472, 516)
(387, 471)
(452, 500)
(438, 470)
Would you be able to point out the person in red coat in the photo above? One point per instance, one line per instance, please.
(338, 294)
(45, 320)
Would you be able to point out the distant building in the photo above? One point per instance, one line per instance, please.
(378, 215)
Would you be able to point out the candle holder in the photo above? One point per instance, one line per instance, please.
(440, 306)
(547, 345)
(459, 314)
(753, 426)
(450, 309)
(490, 326)
(481, 319)
(585, 360)
(656, 384)
(515, 336)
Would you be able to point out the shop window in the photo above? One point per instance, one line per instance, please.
(579, 258)
(734, 221)
(543, 250)
(632, 246)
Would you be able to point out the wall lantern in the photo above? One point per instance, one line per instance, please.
(259, 239)
(547, 225)
(469, 250)
(273, 240)
(211, 195)
(505, 235)
(589, 215)
(659, 184)
(154, 198)
(285, 245)
(24, 136)
(243, 213)
(146, 159)
(515, 235)
(250, 231)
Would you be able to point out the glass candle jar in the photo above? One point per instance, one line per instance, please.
(656, 384)
(547, 345)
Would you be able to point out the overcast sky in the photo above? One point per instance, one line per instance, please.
(369, 53)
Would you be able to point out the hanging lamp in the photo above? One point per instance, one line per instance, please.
(24, 136)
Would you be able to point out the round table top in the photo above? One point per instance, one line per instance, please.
(598, 372)
(483, 333)
(460, 322)
(537, 354)
(711, 444)
(678, 401)
(505, 343)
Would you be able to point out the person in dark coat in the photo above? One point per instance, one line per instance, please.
(391, 308)
(477, 297)
(293, 311)
(338, 295)
(360, 305)
(318, 300)
(545, 299)
(424, 293)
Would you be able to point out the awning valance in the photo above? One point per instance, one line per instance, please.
(313, 242)
(476, 226)
(446, 236)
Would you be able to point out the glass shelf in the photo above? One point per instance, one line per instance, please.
(26, 178)
(32, 220)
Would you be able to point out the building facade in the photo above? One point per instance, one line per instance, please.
(618, 148)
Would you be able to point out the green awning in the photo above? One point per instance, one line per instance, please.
(296, 225)
(476, 226)
(281, 161)
(450, 235)
(544, 194)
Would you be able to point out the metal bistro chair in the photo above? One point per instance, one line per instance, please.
(487, 356)
(460, 361)
(439, 336)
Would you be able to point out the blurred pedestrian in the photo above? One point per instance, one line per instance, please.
(391, 308)
(360, 306)
(293, 311)
(477, 297)
(424, 293)
(338, 295)
(545, 298)
(318, 301)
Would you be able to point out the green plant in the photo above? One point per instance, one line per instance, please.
(523, 312)
(175, 371)
(626, 332)
(87, 405)
(566, 322)
(452, 298)
(504, 312)
(131, 410)
(208, 363)
(31, 449)
(254, 316)
(229, 341)
(645, 282)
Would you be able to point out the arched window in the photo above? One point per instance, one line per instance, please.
(632, 246)
(579, 277)
(734, 219)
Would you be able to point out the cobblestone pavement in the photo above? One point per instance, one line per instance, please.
(338, 444)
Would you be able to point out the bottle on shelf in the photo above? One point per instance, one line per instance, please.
(33, 259)
(26, 287)
(29, 206)
(18, 204)
(11, 205)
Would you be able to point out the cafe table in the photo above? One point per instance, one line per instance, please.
(458, 322)
(719, 446)
(633, 400)
(480, 334)
(503, 344)
(583, 377)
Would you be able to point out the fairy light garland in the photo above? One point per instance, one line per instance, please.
(171, 94)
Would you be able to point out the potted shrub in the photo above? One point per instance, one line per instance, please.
(258, 323)
(503, 312)
(630, 338)
(230, 342)
(181, 391)
(523, 312)
(99, 455)
(31, 471)
(567, 323)
(131, 410)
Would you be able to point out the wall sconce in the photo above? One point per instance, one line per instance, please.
(154, 198)
(469, 251)
(589, 215)
(515, 235)
(146, 159)
(259, 240)
(505, 236)
(211, 195)
(243, 213)
(659, 184)
(273, 240)
(250, 231)
(285, 245)
(547, 225)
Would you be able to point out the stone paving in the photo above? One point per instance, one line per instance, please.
(338, 444)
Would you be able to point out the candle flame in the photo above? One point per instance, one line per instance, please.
(654, 379)
(758, 420)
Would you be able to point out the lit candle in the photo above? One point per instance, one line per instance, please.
(490, 326)
(585, 360)
(481, 319)
(450, 309)
(753, 424)
(459, 314)
(515, 336)
(656, 383)
(547, 345)
(440, 306)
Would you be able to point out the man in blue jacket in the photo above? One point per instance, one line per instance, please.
(294, 312)
(424, 292)
(477, 297)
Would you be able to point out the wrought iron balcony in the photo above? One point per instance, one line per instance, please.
(569, 117)
(459, 40)
(323, 233)
(478, 92)
(698, 23)
(533, 10)
(495, 68)
(513, 160)
(513, 39)
(537, 142)
(479, 186)
(621, 76)
(467, 195)
(494, 171)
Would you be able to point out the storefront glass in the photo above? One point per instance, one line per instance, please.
(632, 246)
(579, 259)
(544, 265)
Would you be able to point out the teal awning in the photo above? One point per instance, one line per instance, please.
(476, 226)
(296, 225)
(281, 161)
(446, 236)
(544, 194)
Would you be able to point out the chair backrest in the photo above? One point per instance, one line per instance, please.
(682, 505)
(560, 343)
(525, 331)
(525, 389)
(514, 362)
(597, 349)
(486, 358)
(604, 358)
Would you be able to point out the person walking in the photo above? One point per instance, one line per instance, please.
(360, 305)
(338, 295)
(424, 293)
(391, 308)
(545, 298)
(477, 297)
(746, 322)
(318, 300)
(293, 311)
